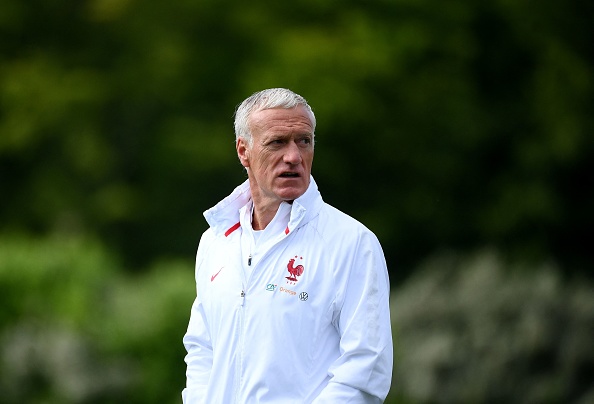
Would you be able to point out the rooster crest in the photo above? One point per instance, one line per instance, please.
(295, 271)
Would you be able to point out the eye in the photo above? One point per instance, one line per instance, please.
(305, 140)
(276, 142)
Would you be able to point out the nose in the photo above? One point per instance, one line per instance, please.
(292, 154)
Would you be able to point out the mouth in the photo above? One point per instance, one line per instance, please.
(289, 174)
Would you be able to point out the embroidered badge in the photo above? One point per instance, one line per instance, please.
(294, 271)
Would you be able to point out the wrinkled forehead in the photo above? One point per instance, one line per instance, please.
(282, 119)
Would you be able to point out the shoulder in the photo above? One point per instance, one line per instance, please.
(332, 219)
(342, 230)
(208, 241)
(207, 238)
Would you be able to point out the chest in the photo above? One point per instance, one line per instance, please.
(292, 280)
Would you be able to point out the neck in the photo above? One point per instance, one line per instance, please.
(262, 216)
(265, 206)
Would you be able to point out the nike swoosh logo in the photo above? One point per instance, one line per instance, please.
(212, 278)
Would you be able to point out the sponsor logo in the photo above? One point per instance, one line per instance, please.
(212, 278)
(294, 271)
(271, 287)
(289, 291)
(303, 296)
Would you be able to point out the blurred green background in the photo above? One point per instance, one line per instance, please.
(460, 132)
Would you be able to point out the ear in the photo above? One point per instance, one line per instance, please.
(243, 152)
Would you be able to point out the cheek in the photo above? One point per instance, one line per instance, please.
(264, 161)
(308, 159)
(266, 157)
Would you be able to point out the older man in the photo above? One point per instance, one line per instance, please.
(292, 294)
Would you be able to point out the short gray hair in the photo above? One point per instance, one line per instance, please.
(267, 99)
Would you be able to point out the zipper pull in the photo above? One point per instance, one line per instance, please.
(242, 295)
(250, 260)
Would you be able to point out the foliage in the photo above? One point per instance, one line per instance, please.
(441, 125)
(471, 330)
(74, 329)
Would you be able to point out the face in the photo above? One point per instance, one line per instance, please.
(281, 155)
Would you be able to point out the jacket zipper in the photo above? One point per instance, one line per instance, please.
(245, 287)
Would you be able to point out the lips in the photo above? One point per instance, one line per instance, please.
(289, 174)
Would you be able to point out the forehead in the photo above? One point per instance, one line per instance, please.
(281, 121)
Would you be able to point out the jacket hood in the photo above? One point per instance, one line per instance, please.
(223, 218)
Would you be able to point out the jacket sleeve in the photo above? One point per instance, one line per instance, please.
(363, 372)
(199, 349)
(198, 359)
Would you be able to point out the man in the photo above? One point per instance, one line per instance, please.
(292, 294)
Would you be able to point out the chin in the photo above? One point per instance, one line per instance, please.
(290, 195)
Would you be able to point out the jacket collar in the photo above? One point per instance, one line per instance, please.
(223, 218)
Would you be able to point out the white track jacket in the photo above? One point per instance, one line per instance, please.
(311, 322)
